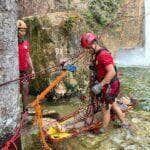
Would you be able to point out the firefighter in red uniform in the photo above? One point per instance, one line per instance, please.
(25, 63)
(106, 84)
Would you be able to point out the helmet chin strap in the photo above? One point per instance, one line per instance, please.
(94, 49)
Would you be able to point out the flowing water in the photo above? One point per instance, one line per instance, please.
(147, 30)
(134, 83)
(139, 56)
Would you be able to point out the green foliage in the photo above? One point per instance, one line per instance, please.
(33, 25)
(68, 25)
(102, 11)
(68, 5)
(89, 16)
(38, 38)
(45, 21)
(38, 85)
(45, 37)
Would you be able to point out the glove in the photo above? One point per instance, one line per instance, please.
(70, 67)
(63, 61)
(96, 89)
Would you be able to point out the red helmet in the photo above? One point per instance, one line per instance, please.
(87, 39)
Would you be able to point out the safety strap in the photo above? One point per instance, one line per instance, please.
(114, 78)
(105, 49)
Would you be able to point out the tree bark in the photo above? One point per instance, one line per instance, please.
(9, 94)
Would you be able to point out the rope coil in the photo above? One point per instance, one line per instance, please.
(36, 103)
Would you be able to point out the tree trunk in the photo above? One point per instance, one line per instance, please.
(9, 94)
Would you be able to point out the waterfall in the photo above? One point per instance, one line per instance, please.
(147, 30)
(139, 56)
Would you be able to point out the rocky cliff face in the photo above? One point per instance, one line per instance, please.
(123, 22)
(34, 7)
(55, 27)
(97, 14)
(9, 94)
(52, 37)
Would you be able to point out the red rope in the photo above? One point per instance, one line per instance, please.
(104, 31)
(28, 76)
(14, 138)
(75, 133)
(95, 125)
(18, 129)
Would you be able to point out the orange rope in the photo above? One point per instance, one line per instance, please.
(49, 88)
(38, 114)
(95, 125)
(40, 124)
(36, 105)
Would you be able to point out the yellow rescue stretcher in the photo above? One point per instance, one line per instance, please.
(57, 136)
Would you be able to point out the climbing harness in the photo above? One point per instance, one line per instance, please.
(49, 136)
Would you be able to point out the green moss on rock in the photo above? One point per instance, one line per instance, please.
(51, 37)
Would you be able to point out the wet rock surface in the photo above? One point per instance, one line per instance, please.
(127, 139)
(135, 83)
(136, 138)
